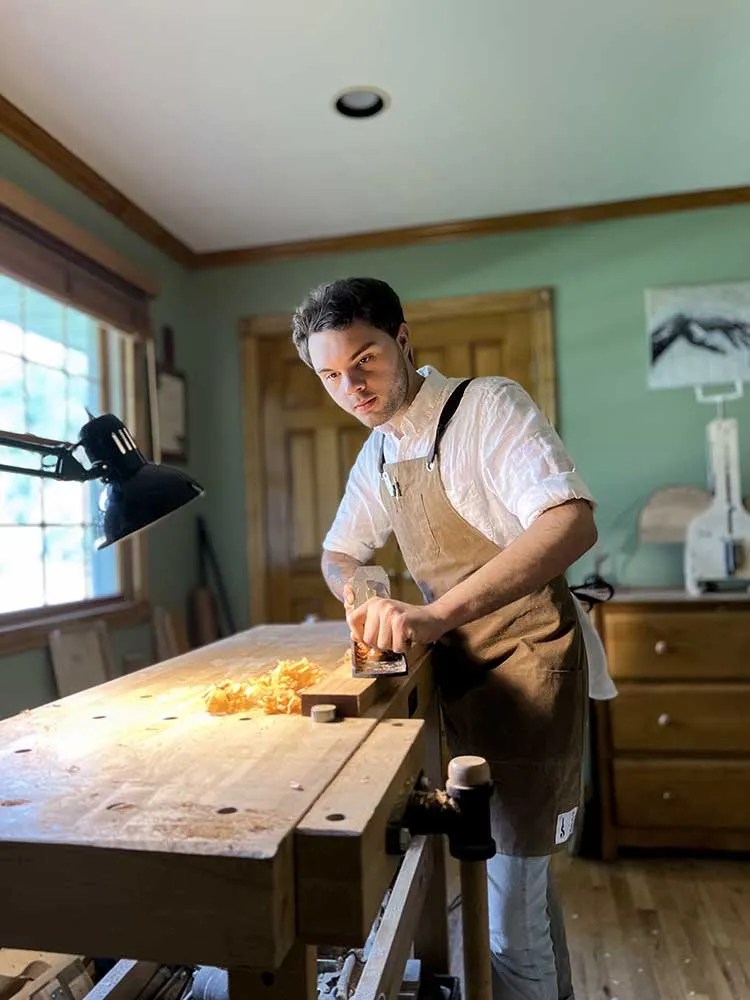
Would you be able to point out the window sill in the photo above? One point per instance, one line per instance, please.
(26, 631)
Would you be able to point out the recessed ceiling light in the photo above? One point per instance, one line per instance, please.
(361, 102)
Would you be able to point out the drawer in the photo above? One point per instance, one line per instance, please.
(678, 644)
(700, 793)
(688, 718)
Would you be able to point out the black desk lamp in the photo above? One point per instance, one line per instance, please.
(137, 492)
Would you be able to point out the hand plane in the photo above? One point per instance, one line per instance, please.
(367, 582)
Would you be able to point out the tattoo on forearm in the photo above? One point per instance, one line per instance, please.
(338, 570)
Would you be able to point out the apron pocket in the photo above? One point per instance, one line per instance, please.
(429, 543)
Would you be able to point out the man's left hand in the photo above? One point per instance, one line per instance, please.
(393, 625)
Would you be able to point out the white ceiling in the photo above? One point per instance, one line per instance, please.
(217, 118)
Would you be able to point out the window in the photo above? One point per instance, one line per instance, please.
(56, 363)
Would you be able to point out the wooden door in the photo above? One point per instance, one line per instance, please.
(309, 445)
(300, 445)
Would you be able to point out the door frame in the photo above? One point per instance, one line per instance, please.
(253, 329)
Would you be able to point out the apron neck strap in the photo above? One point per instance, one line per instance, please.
(449, 408)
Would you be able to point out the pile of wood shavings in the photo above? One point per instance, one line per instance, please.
(275, 692)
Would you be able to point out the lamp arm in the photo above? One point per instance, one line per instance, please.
(67, 467)
(29, 442)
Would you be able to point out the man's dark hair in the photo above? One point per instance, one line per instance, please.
(338, 304)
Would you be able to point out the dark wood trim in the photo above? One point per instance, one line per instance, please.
(26, 133)
(28, 630)
(35, 140)
(23, 205)
(471, 228)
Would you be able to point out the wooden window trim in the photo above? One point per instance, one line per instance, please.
(28, 630)
(47, 219)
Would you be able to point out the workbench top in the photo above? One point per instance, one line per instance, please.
(133, 788)
(139, 763)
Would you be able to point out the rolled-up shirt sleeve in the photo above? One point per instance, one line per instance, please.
(525, 462)
(361, 524)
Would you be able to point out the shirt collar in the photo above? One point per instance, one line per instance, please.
(421, 412)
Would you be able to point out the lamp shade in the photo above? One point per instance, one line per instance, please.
(151, 494)
(137, 493)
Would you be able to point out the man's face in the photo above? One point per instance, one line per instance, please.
(364, 370)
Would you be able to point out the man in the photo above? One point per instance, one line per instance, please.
(489, 513)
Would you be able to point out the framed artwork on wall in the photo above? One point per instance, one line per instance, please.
(171, 391)
(698, 334)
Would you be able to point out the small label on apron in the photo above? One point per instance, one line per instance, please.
(564, 826)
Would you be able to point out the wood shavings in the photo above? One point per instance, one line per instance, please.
(370, 653)
(275, 692)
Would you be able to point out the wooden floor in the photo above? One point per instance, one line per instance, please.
(655, 929)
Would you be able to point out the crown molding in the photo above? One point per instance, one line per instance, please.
(472, 228)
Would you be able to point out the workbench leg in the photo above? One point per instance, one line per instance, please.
(431, 940)
(295, 979)
(476, 931)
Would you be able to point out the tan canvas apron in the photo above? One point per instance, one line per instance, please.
(513, 683)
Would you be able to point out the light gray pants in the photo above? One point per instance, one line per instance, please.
(527, 936)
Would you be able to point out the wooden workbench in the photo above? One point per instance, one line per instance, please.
(134, 823)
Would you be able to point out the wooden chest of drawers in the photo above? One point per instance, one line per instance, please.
(673, 749)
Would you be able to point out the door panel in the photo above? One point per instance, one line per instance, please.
(309, 446)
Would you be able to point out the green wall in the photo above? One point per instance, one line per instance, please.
(26, 680)
(627, 440)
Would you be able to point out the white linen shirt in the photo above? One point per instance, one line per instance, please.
(501, 462)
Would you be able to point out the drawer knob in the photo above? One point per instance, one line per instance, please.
(666, 796)
(664, 719)
(660, 648)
